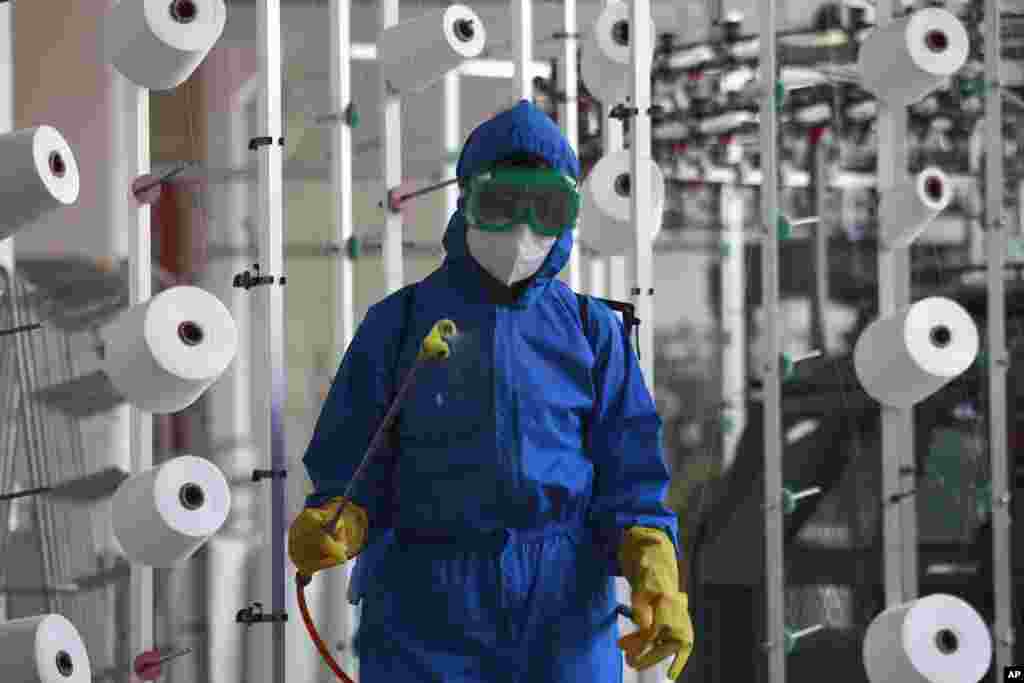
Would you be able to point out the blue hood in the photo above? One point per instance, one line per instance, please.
(523, 128)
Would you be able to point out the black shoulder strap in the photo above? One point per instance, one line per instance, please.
(629, 319)
(584, 314)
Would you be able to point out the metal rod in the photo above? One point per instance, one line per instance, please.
(140, 579)
(343, 616)
(570, 113)
(391, 163)
(640, 171)
(775, 606)
(270, 318)
(996, 241)
(173, 655)
(20, 328)
(897, 424)
(25, 493)
(165, 177)
(427, 189)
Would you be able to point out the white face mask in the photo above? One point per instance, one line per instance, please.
(509, 256)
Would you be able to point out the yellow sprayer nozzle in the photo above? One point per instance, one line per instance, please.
(435, 345)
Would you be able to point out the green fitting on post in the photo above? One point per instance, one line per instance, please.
(790, 499)
(786, 366)
(354, 247)
(725, 249)
(975, 86)
(791, 637)
(982, 359)
(351, 116)
(983, 499)
(783, 227)
(780, 95)
(728, 424)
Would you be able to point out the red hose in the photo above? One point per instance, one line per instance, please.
(301, 582)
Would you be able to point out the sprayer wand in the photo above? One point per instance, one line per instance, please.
(434, 347)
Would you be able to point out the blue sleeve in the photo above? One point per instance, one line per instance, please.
(632, 479)
(355, 406)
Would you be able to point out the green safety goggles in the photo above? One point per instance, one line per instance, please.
(544, 199)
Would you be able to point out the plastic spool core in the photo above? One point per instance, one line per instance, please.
(936, 41)
(947, 642)
(191, 496)
(933, 188)
(190, 333)
(65, 665)
(620, 33)
(941, 336)
(57, 165)
(184, 11)
(464, 30)
(622, 185)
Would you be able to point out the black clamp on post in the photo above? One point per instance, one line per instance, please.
(629, 319)
(622, 112)
(562, 35)
(258, 475)
(256, 143)
(254, 615)
(246, 280)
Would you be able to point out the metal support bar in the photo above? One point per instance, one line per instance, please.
(270, 307)
(480, 68)
(451, 133)
(569, 117)
(522, 11)
(900, 557)
(996, 241)
(775, 601)
(342, 621)
(391, 113)
(640, 171)
(733, 350)
(136, 113)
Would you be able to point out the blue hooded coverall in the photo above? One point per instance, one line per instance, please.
(493, 529)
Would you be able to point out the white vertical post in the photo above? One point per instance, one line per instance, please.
(391, 114)
(640, 192)
(452, 131)
(642, 290)
(732, 276)
(775, 597)
(570, 111)
(900, 555)
(341, 622)
(6, 104)
(270, 304)
(229, 399)
(617, 269)
(996, 233)
(130, 153)
(522, 11)
(615, 286)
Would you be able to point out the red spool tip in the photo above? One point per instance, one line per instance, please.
(147, 665)
(933, 188)
(695, 75)
(816, 134)
(936, 40)
(146, 189)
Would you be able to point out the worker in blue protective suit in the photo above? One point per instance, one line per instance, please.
(523, 473)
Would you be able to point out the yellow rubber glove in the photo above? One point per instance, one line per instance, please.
(660, 610)
(312, 550)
